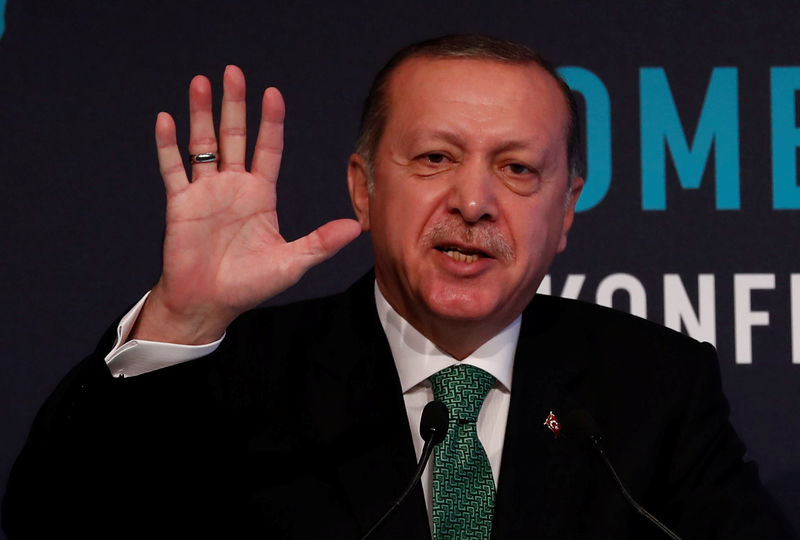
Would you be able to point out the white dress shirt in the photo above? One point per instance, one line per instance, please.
(416, 358)
(137, 356)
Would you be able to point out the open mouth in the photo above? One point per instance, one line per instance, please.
(461, 254)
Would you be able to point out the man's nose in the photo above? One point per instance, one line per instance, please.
(473, 192)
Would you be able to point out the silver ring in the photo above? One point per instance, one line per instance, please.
(207, 157)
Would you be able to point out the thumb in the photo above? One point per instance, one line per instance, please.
(324, 242)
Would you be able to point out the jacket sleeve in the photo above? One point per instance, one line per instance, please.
(715, 492)
(111, 457)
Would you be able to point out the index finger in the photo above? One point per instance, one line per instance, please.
(269, 144)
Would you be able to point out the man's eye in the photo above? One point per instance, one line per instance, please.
(516, 168)
(520, 178)
(434, 158)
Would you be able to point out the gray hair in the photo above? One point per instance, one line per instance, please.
(469, 46)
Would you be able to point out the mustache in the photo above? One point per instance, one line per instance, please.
(483, 236)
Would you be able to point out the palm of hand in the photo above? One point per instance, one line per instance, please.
(223, 252)
(222, 243)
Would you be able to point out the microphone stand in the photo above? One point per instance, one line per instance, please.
(433, 428)
(426, 454)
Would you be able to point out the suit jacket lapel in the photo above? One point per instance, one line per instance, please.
(535, 490)
(381, 459)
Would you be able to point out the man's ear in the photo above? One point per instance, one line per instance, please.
(358, 184)
(574, 192)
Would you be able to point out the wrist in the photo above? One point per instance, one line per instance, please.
(192, 325)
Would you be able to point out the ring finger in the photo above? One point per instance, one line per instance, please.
(202, 138)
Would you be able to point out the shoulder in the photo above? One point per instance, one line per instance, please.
(592, 325)
(623, 353)
(271, 346)
(656, 397)
(315, 319)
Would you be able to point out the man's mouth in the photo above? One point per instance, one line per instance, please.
(461, 254)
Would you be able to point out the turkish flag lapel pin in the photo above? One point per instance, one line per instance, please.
(552, 423)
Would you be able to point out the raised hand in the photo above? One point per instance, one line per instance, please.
(223, 252)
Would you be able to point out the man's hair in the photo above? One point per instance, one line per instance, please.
(466, 46)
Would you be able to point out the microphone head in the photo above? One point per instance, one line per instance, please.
(579, 423)
(434, 422)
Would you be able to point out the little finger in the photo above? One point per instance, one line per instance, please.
(169, 158)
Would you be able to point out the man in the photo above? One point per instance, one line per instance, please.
(301, 421)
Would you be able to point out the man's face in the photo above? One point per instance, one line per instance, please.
(469, 204)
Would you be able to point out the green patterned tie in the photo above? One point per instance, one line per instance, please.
(463, 487)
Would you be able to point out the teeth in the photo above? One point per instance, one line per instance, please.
(462, 257)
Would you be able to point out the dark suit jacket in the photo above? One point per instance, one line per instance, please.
(296, 427)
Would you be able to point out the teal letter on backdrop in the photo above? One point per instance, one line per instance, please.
(2, 17)
(784, 82)
(598, 133)
(661, 127)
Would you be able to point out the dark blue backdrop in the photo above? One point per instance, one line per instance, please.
(692, 180)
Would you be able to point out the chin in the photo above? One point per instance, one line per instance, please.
(463, 305)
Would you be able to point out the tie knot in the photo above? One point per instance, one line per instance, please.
(462, 388)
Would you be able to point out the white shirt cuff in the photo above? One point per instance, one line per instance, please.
(137, 356)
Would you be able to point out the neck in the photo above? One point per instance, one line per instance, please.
(458, 338)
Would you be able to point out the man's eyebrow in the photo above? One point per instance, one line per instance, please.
(452, 137)
(523, 144)
(435, 134)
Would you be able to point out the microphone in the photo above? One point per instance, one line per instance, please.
(434, 423)
(582, 423)
(433, 427)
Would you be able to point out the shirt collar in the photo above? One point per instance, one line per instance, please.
(417, 358)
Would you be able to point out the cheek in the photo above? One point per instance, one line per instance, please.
(536, 230)
(409, 207)
(395, 223)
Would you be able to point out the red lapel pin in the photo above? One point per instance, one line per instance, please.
(552, 423)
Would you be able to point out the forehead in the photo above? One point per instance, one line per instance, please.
(492, 97)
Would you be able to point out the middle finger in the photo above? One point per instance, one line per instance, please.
(233, 120)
